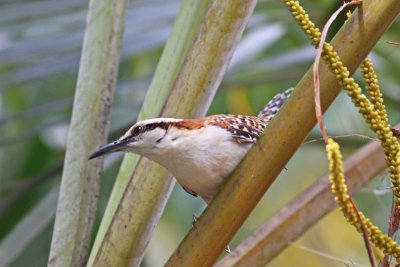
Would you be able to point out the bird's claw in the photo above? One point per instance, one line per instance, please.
(195, 217)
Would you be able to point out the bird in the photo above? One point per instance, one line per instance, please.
(200, 153)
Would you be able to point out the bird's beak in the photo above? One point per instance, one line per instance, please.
(109, 148)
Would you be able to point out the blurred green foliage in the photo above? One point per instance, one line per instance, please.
(40, 43)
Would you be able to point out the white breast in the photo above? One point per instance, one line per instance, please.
(200, 159)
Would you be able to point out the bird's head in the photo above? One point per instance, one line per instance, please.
(142, 138)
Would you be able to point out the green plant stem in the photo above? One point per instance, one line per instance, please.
(88, 130)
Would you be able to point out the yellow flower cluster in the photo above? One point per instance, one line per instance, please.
(382, 127)
(339, 188)
(303, 20)
(374, 113)
(373, 89)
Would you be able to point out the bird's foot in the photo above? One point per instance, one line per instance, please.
(195, 217)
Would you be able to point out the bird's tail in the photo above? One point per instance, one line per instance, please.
(273, 106)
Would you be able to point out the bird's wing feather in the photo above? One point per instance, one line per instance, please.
(244, 129)
(247, 129)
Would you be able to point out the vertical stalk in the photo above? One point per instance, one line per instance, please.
(88, 130)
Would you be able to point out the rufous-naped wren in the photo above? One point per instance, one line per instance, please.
(200, 153)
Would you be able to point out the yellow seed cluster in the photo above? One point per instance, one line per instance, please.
(382, 127)
(375, 116)
(379, 124)
(373, 89)
(339, 188)
(303, 20)
(374, 113)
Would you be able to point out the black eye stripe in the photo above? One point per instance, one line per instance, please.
(148, 127)
(152, 126)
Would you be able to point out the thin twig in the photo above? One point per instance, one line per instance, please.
(318, 111)
(394, 223)
(325, 255)
(341, 136)
(393, 43)
(365, 235)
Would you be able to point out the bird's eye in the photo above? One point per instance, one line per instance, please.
(137, 130)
